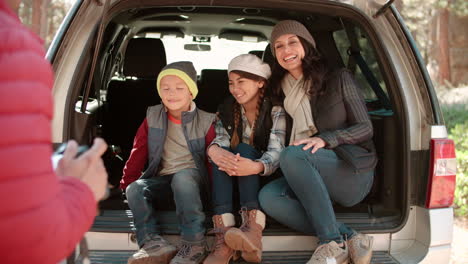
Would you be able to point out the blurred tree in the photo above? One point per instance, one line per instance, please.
(418, 15)
(39, 18)
(429, 18)
(56, 12)
(25, 12)
(444, 46)
(43, 16)
(459, 7)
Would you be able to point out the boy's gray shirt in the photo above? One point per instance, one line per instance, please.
(195, 126)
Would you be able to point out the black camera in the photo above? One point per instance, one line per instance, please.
(58, 154)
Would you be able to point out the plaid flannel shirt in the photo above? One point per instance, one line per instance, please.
(270, 157)
(360, 125)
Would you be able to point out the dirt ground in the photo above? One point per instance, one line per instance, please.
(460, 229)
(460, 241)
(453, 96)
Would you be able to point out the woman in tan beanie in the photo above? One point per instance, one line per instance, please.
(330, 130)
(250, 136)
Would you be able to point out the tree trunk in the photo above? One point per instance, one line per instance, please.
(44, 24)
(36, 16)
(39, 17)
(444, 56)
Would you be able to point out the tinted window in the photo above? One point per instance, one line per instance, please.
(368, 54)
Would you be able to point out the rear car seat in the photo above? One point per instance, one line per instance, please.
(258, 53)
(213, 89)
(267, 56)
(127, 100)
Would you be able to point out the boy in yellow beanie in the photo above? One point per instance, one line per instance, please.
(172, 139)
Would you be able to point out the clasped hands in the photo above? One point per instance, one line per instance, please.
(234, 164)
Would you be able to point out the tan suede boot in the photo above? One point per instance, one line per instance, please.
(221, 253)
(248, 238)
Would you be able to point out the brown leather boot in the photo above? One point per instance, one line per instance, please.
(221, 253)
(248, 238)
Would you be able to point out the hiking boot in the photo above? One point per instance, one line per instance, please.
(248, 238)
(360, 248)
(155, 251)
(190, 254)
(330, 253)
(221, 253)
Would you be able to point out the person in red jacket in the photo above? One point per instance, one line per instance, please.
(44, 213)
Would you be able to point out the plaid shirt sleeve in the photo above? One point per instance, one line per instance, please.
(270, 158)
(222, 137)
(360, 126)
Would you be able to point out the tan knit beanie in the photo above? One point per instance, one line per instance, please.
(289, 27)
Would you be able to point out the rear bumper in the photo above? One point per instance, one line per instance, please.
(426, 237)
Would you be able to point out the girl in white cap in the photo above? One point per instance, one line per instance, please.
(249, 138)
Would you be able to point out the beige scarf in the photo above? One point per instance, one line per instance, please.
(297, 105)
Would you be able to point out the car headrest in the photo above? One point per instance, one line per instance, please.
(144, 57)
(268, 56)
(258, 53)
(214, 87)
(214, 75)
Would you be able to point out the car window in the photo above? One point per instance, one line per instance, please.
(368, 54)
(221, 53)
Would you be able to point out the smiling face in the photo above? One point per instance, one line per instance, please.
(289, 53)
(175, 94)
(244, 90)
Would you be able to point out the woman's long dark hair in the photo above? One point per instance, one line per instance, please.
(314, 69)
(236, 139)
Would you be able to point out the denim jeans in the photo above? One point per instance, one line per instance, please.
(248, 185)
(302, 199)
(183, 187)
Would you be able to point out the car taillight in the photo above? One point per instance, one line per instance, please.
(443, 167)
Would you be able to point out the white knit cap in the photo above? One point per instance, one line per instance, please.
(251, 64)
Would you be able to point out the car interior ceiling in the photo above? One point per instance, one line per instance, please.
(135, 63)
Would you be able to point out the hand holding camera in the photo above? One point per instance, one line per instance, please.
(85, 165)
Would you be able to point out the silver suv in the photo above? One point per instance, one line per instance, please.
(107, 55)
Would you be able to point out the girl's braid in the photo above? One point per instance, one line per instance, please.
(235, 137)
(257, 112)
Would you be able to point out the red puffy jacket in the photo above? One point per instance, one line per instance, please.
(42, 217)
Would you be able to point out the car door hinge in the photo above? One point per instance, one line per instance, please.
(383, 8)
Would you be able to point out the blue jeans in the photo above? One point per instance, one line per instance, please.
(302, 199)
(248, 185)
(183, 187)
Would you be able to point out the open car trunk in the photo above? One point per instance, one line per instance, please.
(124, 85)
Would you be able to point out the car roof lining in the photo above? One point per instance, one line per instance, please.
(220, 19)
(319, 17)
(213, 21)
